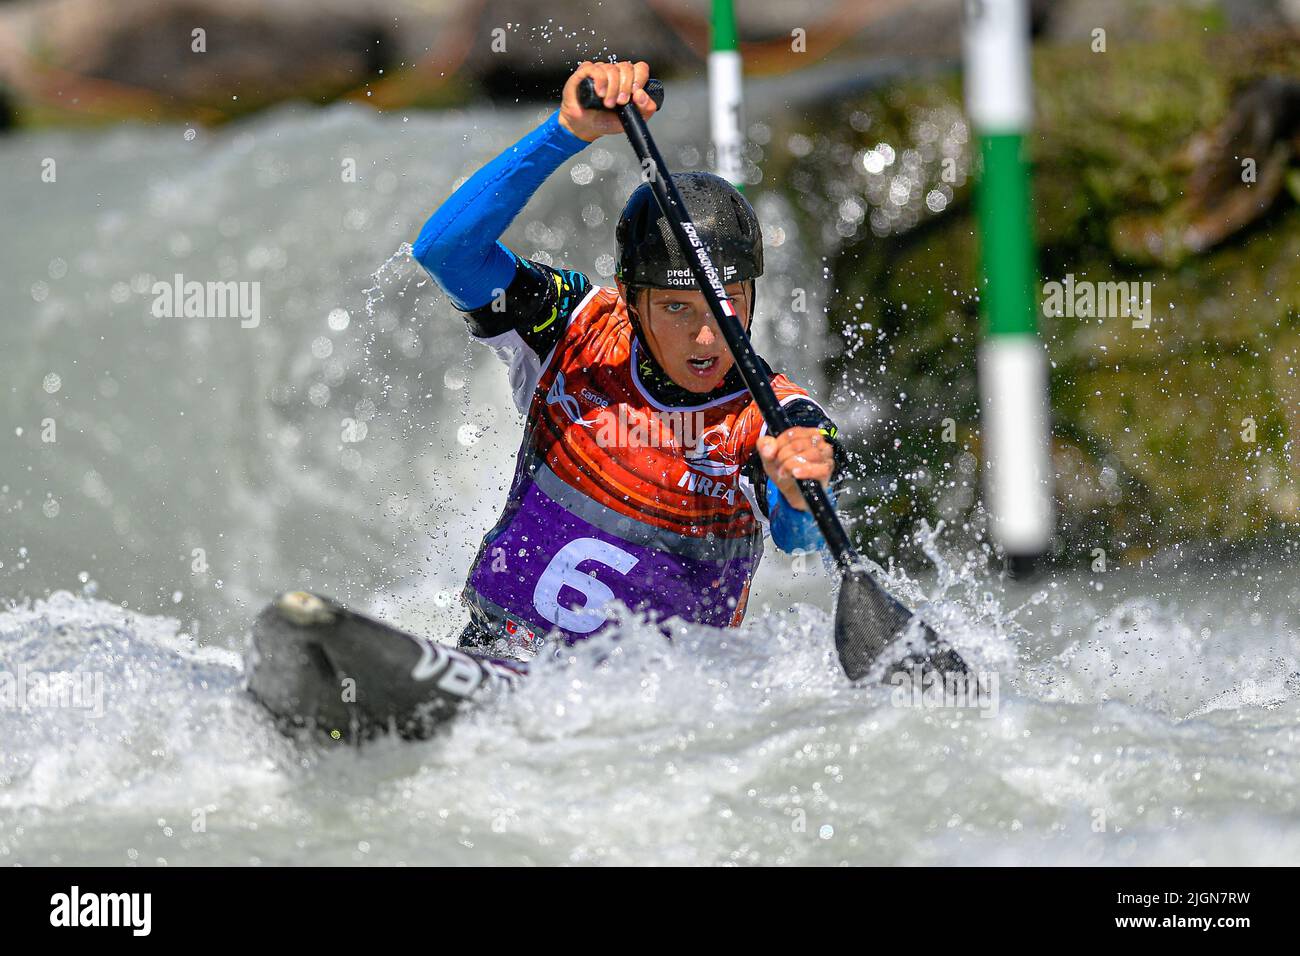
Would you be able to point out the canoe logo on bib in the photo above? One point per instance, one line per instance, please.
(709, 457)
(556, 395)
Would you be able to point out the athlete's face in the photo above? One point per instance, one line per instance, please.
(683, 336)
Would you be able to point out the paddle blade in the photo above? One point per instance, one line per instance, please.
(868, 620)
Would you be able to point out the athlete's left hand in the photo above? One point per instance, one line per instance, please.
(797, 453)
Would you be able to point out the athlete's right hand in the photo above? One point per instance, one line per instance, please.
(617, 83)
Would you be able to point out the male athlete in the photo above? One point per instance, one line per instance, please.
(646, 474)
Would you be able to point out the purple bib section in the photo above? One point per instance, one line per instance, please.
(555, 570)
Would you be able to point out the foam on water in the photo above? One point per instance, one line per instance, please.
(719, 747)
(355, 443)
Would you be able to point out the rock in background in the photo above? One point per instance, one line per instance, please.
(1148, 422)
(88, 60)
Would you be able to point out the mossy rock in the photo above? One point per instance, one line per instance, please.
(1147, 420)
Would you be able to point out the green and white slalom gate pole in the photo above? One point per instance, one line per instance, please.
(725, 97)
(1012, 362)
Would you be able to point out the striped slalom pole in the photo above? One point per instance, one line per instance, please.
(725, 96)
(1012, 362)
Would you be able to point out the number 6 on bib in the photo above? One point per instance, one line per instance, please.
(563, 570)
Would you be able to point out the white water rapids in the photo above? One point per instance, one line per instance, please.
(356, 443)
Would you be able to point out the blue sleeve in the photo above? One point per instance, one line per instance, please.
(792, 529)
(459, 244)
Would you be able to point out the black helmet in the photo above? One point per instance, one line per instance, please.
(648, 254)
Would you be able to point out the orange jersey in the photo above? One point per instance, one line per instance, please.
(596, 426)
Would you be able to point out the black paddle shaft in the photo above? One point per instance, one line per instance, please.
(706, 276)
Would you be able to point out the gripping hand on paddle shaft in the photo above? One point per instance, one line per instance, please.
(617, 84)
(797, 453)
